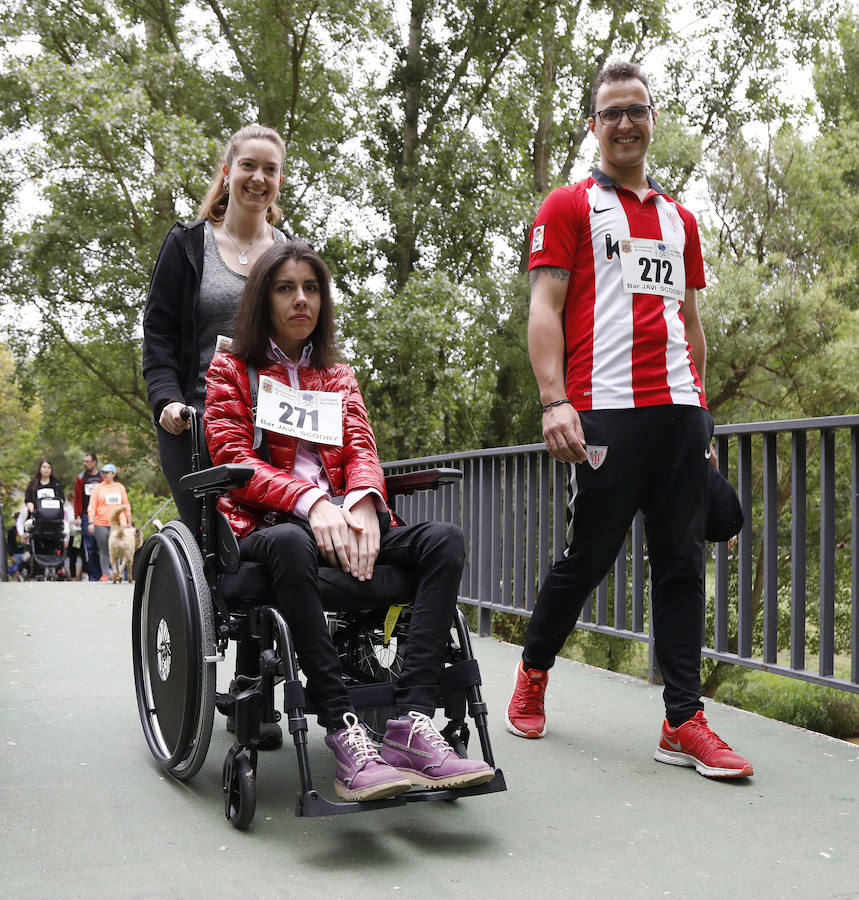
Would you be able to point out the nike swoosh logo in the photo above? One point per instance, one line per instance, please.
(674, 745)
(595, 210)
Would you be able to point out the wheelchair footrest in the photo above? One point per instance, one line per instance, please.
(313, 804)
(490, 787)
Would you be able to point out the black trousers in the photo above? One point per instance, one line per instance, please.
(174, 451)
(656, 461)
(90, 550)
(435, 550)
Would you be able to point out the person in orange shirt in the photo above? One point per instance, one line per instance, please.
(105, 497)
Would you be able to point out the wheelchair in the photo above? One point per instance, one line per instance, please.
(192, 597)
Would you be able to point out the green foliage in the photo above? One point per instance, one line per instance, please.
(836, 77)
(146, 506)
(811, 706)
(780, 310)
(605, 651)
(19, 435)
(509, 627)
(421, 329)
(415, 153)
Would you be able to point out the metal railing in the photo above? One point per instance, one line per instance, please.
(784, 591)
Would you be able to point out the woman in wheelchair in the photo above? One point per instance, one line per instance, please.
(317, 498)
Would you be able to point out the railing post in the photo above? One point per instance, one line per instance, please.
(799, 490)
(854, 552)
(745, 621)
(770, 549)
(720, 602)
(620, 588)
(827, 551)
(485, 590)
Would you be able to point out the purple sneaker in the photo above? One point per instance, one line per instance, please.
(417, 749)
(361, 773)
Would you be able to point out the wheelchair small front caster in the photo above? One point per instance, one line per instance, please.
(239, 781)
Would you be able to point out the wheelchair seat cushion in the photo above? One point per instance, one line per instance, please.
(251, 586)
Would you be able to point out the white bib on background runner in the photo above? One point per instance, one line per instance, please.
(314, 416)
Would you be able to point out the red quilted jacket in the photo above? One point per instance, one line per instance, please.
(229, 433)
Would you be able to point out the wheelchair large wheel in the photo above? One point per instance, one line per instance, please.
(173, 633)
(367, 659)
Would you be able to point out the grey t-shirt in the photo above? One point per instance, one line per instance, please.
(220, 291)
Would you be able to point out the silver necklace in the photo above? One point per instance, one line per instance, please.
(243, 254)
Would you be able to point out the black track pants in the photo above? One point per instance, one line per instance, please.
(435, 550)
(174, 451)
(656, 461)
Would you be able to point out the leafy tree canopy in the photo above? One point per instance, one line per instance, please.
(420, 140)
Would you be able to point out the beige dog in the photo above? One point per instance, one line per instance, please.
(122, 543)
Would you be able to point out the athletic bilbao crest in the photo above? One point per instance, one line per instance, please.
(596, 455)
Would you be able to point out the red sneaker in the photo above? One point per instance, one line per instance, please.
(694, 743)
(526, 714)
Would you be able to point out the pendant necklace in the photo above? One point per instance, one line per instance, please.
(243, 254)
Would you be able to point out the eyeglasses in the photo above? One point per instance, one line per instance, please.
(638, 113)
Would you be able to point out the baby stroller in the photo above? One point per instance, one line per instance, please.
(46, 532)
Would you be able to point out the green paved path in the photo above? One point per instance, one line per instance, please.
(85, 812)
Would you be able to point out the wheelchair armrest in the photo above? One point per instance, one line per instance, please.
(422, 480)
(218, 478)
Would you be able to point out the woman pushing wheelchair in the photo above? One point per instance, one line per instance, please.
(317, 497)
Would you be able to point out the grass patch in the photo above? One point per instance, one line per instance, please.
(813, 706)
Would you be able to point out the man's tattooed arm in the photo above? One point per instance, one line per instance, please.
(555, 272)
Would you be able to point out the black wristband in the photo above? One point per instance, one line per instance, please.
(555, 403)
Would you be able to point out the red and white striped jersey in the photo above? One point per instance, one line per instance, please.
(624, 332)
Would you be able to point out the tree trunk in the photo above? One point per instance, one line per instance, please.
(405, 178)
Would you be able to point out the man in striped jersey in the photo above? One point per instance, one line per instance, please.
(619, 354)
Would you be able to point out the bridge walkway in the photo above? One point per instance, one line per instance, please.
(588, 814)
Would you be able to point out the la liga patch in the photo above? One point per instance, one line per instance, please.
(537, 238)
